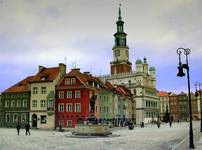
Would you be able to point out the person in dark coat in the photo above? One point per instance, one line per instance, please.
(170, 123)
(130, 125)
(18, 127)
(158, 124)
(27, 127)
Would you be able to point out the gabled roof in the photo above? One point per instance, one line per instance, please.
(182, 93)
(80, 76)
(163, 93)
(110, 86)
(21, 86)
(46, 75)
(173, 94)
(123, 90)
(84, 78)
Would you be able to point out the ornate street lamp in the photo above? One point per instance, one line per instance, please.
(181, 74)
(198, 93)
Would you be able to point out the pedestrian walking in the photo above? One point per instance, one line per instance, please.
(170, 123)
(158, 124)
(18, 127)
(142, 124)
(27, 127)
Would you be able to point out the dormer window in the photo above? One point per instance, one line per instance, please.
(73, 81)
(43, 78)
(67, 81)
(90, 83)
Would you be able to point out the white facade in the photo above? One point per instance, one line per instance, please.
(142, 84)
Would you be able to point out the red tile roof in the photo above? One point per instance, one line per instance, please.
(48, 73)
(84, 78)
(21, 86)
(163, 93)
(110, 86)
(123, 90)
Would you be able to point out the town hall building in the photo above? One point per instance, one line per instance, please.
(141, 82)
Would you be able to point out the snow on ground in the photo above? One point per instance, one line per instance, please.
(148, 138)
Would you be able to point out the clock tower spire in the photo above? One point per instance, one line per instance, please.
(120, 63)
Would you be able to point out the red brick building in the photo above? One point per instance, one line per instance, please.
(174, 106)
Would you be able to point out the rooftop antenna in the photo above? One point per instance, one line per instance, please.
(65, 60)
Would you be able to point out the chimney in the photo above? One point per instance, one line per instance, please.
(87, 73)
(62, 69)
(41, 68)
(76, 69)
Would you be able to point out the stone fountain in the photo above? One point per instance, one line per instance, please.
(91, 128)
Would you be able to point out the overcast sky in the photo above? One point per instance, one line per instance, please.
(43, 32)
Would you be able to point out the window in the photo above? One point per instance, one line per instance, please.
(7, 117)
(60, 107)
(147, 115)
(18, 103)
(61, 94)
(43, 119)
(122, 42)
(15, 118)
(6, 104)
(69, 123)
(43, 103)
(73, 81)
(35, 90)
(117, 53)
(24, 103)
(126, 53)
(43, 90)
(69, 94)
(77, 107)
(13, 103)
(23, 117)
(61, 123)
(67, 81)
(77, 94)
(50, 103)
(43, 78)
(69, 107)
(34, 103)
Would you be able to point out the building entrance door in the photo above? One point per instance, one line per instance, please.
(34, 120)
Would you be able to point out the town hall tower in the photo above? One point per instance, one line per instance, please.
(120, 63)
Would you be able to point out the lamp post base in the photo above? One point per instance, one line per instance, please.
(201, 119)
(191, 137)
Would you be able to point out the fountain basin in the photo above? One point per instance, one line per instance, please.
(91, 130)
